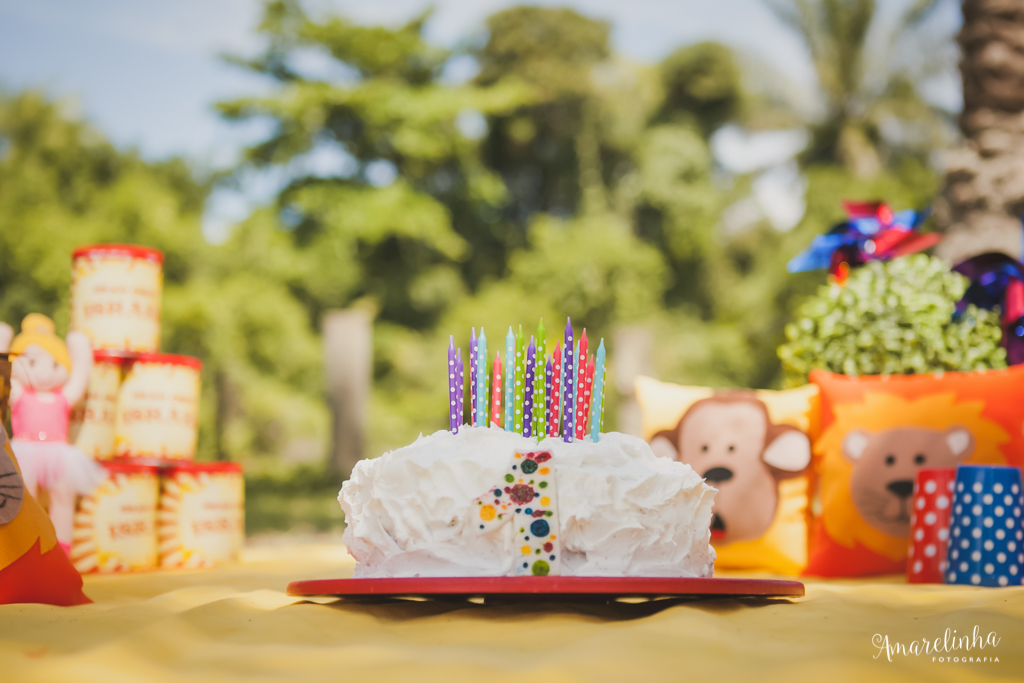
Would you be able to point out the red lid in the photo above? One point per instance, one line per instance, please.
(108, 356)
(123, 467)
(166, 359)
(132, 250)
(218, 466)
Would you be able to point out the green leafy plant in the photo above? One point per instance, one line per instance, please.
(891, 318)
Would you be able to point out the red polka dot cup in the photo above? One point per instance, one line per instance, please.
(929, 525)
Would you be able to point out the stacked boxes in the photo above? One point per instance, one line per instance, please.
(139, 417)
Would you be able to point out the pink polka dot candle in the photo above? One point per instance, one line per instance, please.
(929, 525)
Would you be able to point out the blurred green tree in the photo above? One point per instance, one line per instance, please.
(870, 84)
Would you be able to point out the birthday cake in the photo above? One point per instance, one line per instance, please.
(482, 501)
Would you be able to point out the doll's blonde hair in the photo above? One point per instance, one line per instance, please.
(37, 329)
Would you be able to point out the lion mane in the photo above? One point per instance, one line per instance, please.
(877, 413)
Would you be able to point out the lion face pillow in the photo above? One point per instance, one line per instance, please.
(753, 448)
(877, 432)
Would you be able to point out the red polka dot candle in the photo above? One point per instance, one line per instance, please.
(929, 525)
(580, 421)
(496, 390)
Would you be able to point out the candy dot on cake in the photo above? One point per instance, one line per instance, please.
(540, 568)
(529, 467)
(540, 528)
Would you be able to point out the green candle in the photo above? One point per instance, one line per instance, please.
(520, 381)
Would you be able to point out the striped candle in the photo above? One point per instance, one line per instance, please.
(581, 387)
(496, 390)
(472, 376)
(510, 380)
(567, 393)
(556, 386)
(597, 410)
(480, 392)
(453, 402)
(528, 383)
(520, 381)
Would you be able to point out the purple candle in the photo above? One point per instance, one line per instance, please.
(531, 369)
(453, 402)
(549, 375)
(460, 385)
(568, 410)
(472, 376)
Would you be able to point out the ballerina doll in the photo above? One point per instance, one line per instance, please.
(48, 378)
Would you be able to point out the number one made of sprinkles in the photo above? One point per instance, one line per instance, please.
(527, 497)
(567, 371)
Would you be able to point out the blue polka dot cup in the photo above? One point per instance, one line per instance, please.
(985, 541)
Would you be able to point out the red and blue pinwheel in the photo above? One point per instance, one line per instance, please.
(997, 280)
(873, 232)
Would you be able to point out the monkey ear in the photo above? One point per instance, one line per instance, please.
(854, 443)
(960, 441)
(789, 452)
(663, 446)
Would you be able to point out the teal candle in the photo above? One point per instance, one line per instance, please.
(510, 380)
(597, 409)
(482, 395)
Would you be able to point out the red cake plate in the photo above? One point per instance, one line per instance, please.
(536, 587)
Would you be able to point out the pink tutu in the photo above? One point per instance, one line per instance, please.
(50, 463)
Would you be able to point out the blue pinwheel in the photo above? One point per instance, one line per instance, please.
(873, 232)
(997, 281)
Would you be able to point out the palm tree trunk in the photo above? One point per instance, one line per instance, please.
(982, 203)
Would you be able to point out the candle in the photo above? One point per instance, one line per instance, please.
(510, 380)
(472, 376)
(453, 403)
(481, 381)
(597, 410)
(567, 394)
(556, 386)
(548, 376)
(496, 389)
(520, 381)
(589, 393)
(528, 383)
(539, 405)
(460, 386)
(581, 387)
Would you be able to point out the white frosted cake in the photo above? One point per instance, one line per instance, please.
(486, 502)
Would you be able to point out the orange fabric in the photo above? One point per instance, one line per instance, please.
(46, 578)
(33, 567)
(989, 405)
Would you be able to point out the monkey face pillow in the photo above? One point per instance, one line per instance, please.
(877, 432)
(731, 441)
(752, 447)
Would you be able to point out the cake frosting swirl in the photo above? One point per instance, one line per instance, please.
(623, 510)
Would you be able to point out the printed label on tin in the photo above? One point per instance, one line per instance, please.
(91, 425)
(201, 521)
(115, 301)
(157, 411)
(115, 528)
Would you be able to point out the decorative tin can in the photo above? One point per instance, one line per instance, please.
(91, 422)
(115, 527)
(157, 407)
(201, 521)
(115, 296)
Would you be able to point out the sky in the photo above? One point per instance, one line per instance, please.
(147, 72)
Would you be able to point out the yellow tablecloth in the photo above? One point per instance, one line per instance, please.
(237, 624)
